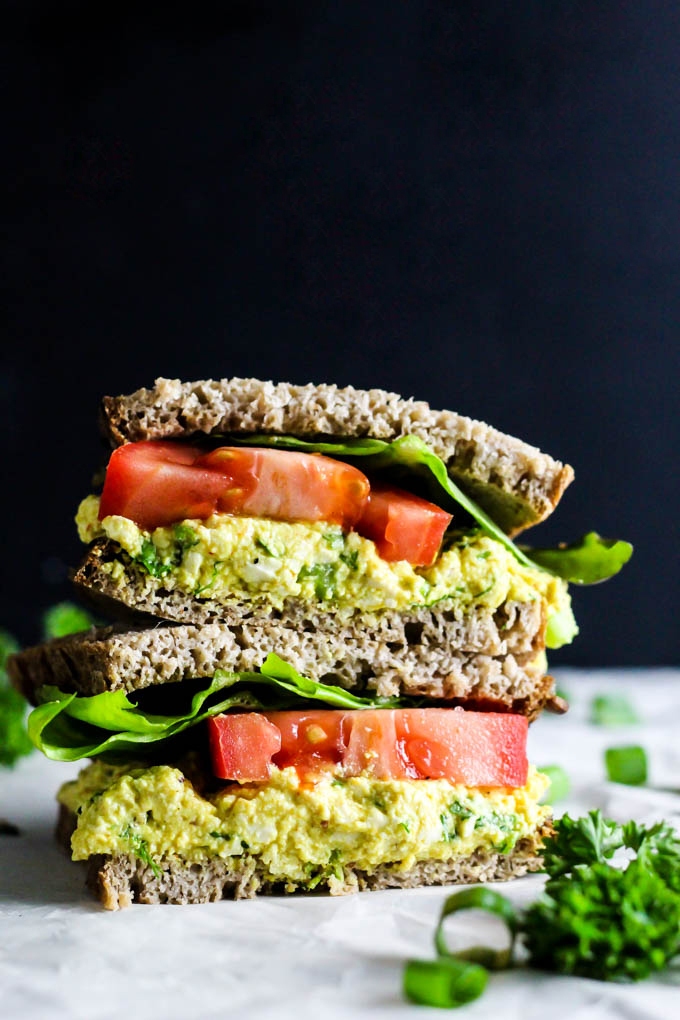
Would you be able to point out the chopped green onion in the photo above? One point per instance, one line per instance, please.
(612, 710)
(446, 982)
(478, 899)
(560, 784)
(626, 765)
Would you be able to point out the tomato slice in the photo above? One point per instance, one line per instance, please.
(466, 747)
(288, 486)
(310, 740)
(403, 526)
(157, 483)
(242, 746)
(374, 746)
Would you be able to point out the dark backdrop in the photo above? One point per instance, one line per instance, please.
(474, 204)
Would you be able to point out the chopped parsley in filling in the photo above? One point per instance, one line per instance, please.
(226, 558)
(301, 832)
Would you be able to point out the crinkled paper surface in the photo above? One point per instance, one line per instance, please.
(63, 957)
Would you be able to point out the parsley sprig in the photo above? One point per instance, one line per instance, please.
(595, 919)
(14, 740)
(600, 921)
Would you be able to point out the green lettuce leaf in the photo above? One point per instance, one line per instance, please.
(68, 727)
(588, 561)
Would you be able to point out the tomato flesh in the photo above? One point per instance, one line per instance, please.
(242, 746)
(466, 747)
(403, 526)
(156, 484)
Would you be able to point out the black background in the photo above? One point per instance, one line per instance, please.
(474, 204)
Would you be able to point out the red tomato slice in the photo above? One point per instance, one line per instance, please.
(403, 526)
(374, 746)
(242, 746)
(156, 484)
(310, 740)
(475, 748)
(466, 747)
(288, 486)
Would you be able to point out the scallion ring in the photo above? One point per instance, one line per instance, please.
(492, 903)
(446, 982)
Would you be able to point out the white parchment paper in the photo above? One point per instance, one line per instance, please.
(63, 957)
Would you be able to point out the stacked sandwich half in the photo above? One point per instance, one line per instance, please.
(328, 647)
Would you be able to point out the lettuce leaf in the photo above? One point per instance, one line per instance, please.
(68, 727)
(588, 561)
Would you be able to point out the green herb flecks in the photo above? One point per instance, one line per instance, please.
(324, 578)
(140, 848)
(217, 565)
(149, 559)
(185, 538)
(350, 559)
(276, 552)
(322, 873)
(335, 540)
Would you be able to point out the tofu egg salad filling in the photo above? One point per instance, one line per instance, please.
(311, 798)
(269, 525)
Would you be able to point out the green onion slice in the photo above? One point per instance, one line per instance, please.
(560, 784)
(446, 982)
(626, 765)
(492, 903)
(612, 710)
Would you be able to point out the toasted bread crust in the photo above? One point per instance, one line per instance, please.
(119, 881)
(514, 482)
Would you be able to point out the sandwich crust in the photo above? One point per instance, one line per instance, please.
(513, 481)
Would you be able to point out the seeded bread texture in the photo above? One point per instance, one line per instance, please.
(122, 880)
(514, 482)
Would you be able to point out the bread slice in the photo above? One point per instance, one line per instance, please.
(515, 483)
(483, 657)
(121, 880)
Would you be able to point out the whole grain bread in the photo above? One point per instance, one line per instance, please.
(514, 482)
(122, 880)
(484, 657)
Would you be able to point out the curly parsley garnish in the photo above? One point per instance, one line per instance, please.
(594, 919)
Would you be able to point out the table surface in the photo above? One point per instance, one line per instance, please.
(62, 956)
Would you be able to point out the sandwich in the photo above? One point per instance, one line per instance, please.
(326, 652)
